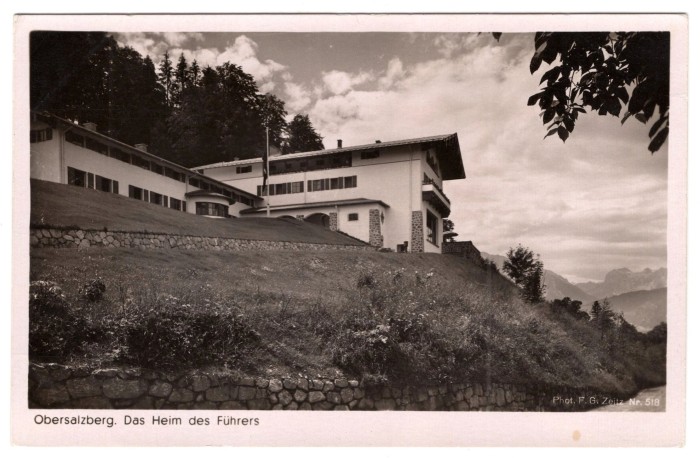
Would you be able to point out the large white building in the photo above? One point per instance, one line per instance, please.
(68, 153)
(386, 194)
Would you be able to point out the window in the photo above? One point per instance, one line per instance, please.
(244, 169)
(138, 193)
(140, 162)
(353, 217)
(245, 200)
(432, 226)
(77, 177)
(120, 155)
(72, 137)
(95, 146)
(432, 162)
(282, 188)
(156, 168)
(106, 185)
(156, 198)
(369, 154)
(325, 184)
(176, 204)
(297, 187)
(43, 135)
(170, 173)
(211, 209)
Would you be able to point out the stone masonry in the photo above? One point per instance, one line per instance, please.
(375, 229)
(60, 387)
(417, 231)
(83, 239)
(333, 221)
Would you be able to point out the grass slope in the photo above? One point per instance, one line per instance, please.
(57, 205)
(276, 284)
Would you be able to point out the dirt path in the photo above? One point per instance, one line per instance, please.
(651, 400)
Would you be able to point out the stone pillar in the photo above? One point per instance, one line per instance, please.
(375, 229)
(333, 223)
(417, 232)
(300, 217)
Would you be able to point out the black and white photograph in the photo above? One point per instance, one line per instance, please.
(230, 223)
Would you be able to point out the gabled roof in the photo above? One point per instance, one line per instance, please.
(448, 154)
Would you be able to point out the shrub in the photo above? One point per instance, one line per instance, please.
(55, 332)
(93, 291)
(186, 338)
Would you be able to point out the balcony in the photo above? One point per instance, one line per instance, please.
(433, 194)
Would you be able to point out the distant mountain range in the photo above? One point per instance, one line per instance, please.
(644, 309)
(640, 296)
(620, 281)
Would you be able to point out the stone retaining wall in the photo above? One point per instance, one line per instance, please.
(463, 249)
(83, 239)
(55, 386)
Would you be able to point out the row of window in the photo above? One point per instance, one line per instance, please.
(212, 209)
(310, 164)
(42, 135)
(84, 179)
(323, 184)
(326, 184)
(138, 161)
(282, 188)
(156, 198)
(207, 186)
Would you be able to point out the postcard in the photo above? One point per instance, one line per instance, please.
(345, 230)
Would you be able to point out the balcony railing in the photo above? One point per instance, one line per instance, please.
(434, 194)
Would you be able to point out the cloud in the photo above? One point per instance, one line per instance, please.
(297, 97)
(338, 82)
(179, 38)
(243, 52)
(595, 203)
(394, 73)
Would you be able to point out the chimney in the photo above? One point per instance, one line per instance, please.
(377, 141)
(141, 147)
(90, 126)
(340, 143)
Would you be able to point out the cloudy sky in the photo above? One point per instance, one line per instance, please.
(593, 204)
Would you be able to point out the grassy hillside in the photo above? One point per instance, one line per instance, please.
(399, 318)
(58, 205)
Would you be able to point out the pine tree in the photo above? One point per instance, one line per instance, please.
(166, 78)
(195, 73)
(182, 80)
(302, 136)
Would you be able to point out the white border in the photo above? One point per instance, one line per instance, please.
(378, 428)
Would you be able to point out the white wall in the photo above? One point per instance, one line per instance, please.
(44, 157)
(395, 177)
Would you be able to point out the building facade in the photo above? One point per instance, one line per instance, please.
(68, 153)
(387, 194)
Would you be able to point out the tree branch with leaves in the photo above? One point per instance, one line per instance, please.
(604, 73)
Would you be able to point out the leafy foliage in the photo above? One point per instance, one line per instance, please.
(187, 338)
(603, 72)
(527, 272)
(93, 290)
(185, 113)
(55, 331)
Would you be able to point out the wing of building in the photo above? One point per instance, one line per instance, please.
(386, 194)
